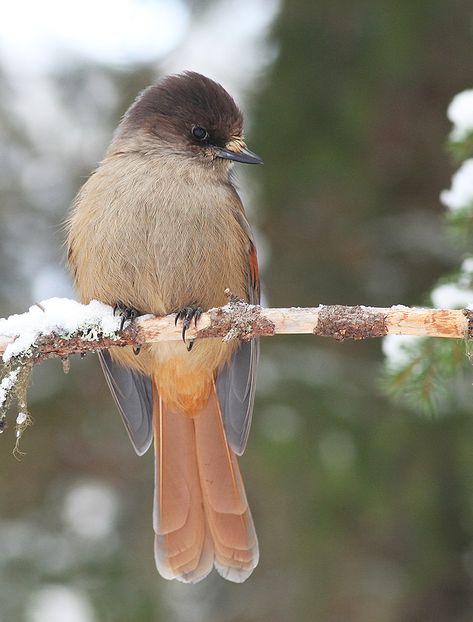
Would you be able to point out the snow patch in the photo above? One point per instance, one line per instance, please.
(90, 510)
(6, 384)
(59, 603)
(61, 316)
(397, 348)
(460, 113)
(21, 419)
(467, 265)
(460, 194)
(451, 296)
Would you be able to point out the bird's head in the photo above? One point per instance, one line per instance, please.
(191, 116)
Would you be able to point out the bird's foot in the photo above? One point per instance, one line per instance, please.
(127, 314)
(187, 314)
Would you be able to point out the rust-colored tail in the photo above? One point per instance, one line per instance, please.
(201, 515)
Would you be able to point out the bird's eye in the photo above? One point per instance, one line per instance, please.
(199, 133)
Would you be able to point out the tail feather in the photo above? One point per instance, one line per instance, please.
(201, 514)
(226, 506)
(219, 472)
(183, 549)
(239, 537)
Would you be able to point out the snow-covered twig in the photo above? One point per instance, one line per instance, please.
(61, 327)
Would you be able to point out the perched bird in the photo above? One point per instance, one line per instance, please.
(159, 228)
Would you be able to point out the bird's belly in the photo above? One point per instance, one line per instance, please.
(208, 259)
(193, 264)
(160, 252)
(196, 263)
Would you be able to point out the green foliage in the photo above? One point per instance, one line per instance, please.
(460, 224)
(422, 382)
(423, 378)
(461, 149)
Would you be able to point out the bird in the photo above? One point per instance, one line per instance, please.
(159, 227)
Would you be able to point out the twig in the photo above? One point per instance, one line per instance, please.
(239, 320)
(59, 327)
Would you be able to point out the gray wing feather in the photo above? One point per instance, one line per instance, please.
(236, 392)
(236, 383)
(132, 393)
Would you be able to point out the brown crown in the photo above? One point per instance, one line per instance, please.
(173, 106)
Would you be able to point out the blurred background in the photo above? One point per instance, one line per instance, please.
(364, 509)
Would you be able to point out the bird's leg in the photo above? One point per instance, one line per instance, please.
(127, 314)
(187, 314)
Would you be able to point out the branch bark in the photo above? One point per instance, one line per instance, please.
(239, 320)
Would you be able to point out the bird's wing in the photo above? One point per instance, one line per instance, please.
(132, 393)
(236, 382)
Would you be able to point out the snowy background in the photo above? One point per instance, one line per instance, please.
(363, 508)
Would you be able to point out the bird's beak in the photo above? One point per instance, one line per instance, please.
(237, 151)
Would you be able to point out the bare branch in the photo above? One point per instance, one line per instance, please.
(239, 320)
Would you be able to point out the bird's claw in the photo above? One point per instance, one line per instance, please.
(127, 314)
(187, 314)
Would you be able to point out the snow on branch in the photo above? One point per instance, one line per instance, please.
(58, 327)
(61, 327)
